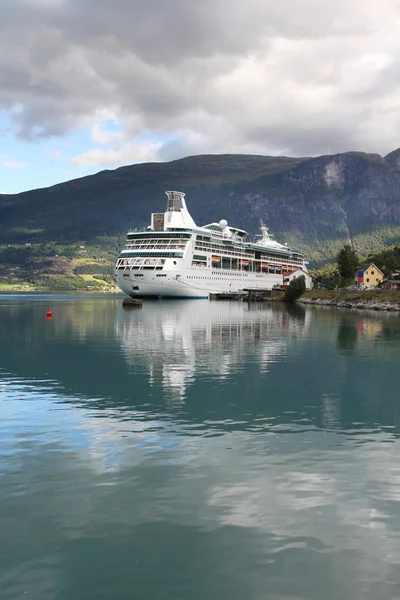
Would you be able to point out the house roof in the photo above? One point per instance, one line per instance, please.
(302, 270)
(366, 265)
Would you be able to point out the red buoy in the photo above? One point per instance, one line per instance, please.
(49, 314)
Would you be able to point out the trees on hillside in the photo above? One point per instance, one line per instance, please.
(389, 265)
(388, 260)
(347, 261)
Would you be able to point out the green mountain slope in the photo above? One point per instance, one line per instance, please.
(314, 203)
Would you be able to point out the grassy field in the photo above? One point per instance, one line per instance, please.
(54, 283)
(53, 267)
(21, 286)
(320, 295)
(387, 297)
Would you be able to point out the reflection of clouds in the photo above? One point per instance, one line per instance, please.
(336, 497)
(214, 338)
(299, 488)
(34, 578)
(101, 437)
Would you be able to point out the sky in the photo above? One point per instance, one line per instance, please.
(87, 85)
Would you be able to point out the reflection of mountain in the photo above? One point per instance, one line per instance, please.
(205, 339)
(230, 360)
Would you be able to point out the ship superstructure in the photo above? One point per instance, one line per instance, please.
(176, 258)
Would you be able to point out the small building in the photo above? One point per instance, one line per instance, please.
(289, 277)
(368, 276)
(391, 285)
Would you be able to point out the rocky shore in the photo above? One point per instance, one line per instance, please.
(348, 299)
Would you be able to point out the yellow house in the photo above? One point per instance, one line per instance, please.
(369, 276)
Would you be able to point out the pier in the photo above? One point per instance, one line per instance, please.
(248, 295)
(227, 296)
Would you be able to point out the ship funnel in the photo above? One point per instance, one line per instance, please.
(176, 201)
(177, 215)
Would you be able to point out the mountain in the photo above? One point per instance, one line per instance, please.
(314, 203)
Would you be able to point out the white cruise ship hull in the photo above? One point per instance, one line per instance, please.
(192, 284)
(174, 258)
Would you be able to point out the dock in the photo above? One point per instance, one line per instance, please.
(248, 295)
(227, 296)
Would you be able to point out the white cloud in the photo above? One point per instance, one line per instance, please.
(14, 164)
(266, 77)
(123, 154)
(104, 137)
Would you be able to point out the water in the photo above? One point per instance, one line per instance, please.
(193, 450)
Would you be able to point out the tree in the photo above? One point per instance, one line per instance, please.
(295, 289)
(390, 265)
(347, 261)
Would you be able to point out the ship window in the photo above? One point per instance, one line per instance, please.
(144, 254)
(159, 235)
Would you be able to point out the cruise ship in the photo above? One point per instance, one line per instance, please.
(175, 258)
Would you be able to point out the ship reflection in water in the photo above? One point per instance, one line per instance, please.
(214, 338)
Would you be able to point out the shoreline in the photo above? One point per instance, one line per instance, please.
(27, 292)
(371, 300)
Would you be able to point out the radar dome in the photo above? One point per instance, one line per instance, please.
(223, 223)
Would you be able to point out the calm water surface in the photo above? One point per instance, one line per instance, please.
(196, 450)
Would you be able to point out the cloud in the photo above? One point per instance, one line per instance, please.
(105, 137)
(124, 153)
(14, 164)
(264, 77)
